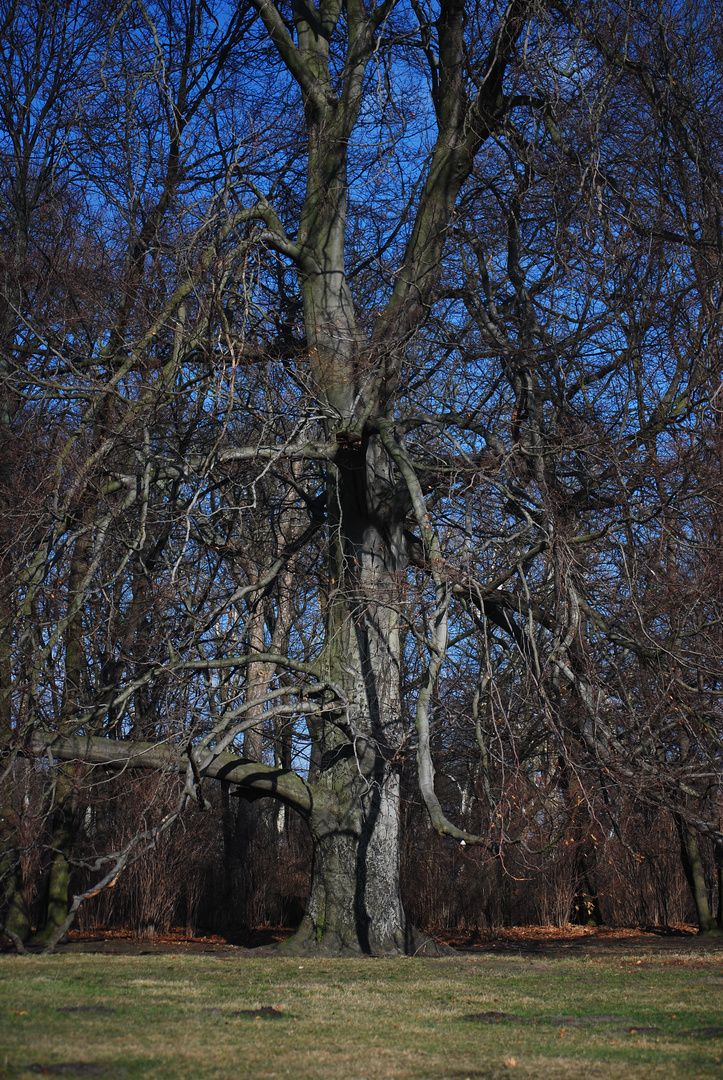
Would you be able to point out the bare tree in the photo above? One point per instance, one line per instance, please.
(401, 380)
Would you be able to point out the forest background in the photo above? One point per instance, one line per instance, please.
(360, 495)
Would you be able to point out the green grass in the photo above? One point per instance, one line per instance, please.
(168, 1017)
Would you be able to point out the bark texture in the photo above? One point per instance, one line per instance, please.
(355, 902)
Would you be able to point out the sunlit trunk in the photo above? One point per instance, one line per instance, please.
(355, 903)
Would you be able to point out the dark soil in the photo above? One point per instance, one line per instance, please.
(266, 1012)
(541, 942)
(74, 1068)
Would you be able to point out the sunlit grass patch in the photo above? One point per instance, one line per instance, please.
(451, 1019)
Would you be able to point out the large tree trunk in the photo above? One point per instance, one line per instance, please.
(355, 903)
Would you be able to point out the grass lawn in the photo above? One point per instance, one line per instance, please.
(238, 1017)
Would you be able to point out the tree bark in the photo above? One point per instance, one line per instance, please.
(15, 913)
(355, 904)
(695, 876)
(57, 894)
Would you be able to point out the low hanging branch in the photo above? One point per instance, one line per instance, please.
(283, 784)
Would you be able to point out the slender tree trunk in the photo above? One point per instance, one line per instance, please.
(13, 909)
(585, 904)
(55, 907)
(586, 895)
(695, 876)
(15, 916)
(63, 811)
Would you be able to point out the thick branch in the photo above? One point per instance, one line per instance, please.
(282, 784)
